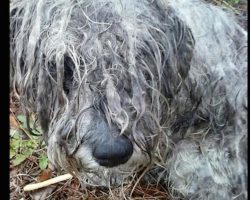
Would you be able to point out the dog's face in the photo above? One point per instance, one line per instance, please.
(106, 123)
(102, 88)
(114, 106)
(99, 126)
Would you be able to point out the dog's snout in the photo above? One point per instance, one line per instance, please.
(113, 151)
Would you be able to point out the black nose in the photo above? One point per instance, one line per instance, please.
(113, 151)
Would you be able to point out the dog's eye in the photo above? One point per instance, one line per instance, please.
(68, 74)
(92, 87)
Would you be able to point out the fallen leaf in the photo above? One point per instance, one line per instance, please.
(45, 175)
(21, 118)
(43, 162)
(19, 159)
(13, 122)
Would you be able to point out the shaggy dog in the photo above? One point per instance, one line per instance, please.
(124, 85)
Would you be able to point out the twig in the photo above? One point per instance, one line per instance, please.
(47, 182)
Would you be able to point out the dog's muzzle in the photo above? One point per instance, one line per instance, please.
(105, 144)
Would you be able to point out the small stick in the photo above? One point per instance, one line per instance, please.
(48, 182)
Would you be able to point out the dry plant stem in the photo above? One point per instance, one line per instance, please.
(47, 182)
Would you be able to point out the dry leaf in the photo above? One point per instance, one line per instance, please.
(13, 123)
(45, 175)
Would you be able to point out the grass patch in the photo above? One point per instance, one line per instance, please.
(24, 143)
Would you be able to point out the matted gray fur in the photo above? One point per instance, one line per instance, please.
(170, 76)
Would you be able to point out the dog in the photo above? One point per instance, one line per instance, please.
(124, 87)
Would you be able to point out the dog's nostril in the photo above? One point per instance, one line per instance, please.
(113, 151)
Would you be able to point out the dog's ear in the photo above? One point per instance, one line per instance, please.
(180, 37)
(185, 44)
(180, 54)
